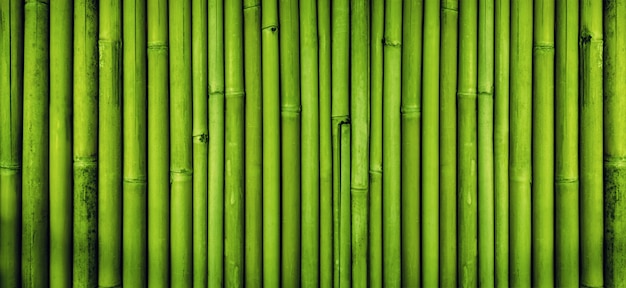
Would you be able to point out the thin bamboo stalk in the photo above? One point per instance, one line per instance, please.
(447, 143)
(158, 145)
(344, 203)
(591, 186)
(234, 193)
(520, 139)
(11, 63)
(135, 230)
(543, 145)
(271, 144)
(35, 213)
(310, 165)
(253, 144)
(614, 143)
(566, 146)
(467, 150)
(391, 144)
(501, 141)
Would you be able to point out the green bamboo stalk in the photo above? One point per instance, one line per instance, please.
(253, 144)
(501, 141)
(410, 146)
(392, 71)
(566, 148)
(447, 143)
(271, 144)
(11, 63)
(85, 267)
(310, 165)
(35, 213)
(614, 143)
(290, 141)
(199, 57)
(486, 209)
(216, 143)
(158, 145)
(430, 144)
(543, 145)
(61, 17)
(134, 233)
(344, 204)
(591, 177)
(377, 12)
(234, 193)
(467, 150)
(520, 139)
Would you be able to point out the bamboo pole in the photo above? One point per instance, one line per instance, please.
(410, 146)
(158, 145)
(520, 139)
(591, 186)
(391, 149)
(234, 193)
(310, 165)
(271, 144)
(543, 145)
(467, 150)
(134, 233)
(344, 203)
(61, 15)
(253, 144)
(11, 63)
(447, 143)
(35, 213)
(566, 148)
(614, 143)
(501, 141)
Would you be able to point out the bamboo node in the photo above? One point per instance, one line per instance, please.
(255, 5)
(411, 111)
(391, 43)
(157, 47)
(272, 28)
(202, 138)
(135, 180)
(615, 161)
(467, 95)
(291, 109)
(10, 167)
(235, 94)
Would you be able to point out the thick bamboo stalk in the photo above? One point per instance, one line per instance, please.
(135, 229)
(391, 145)
(375, 271)
(520, 139)
(254, 144)
(310, 165)
(566, 146)
(543, 145)
(614, 143)
(447, 143)
(158, 145)
(467, 150)
(199, 57)
(61, 16)
(11, 63)
(501, 141)
(591, 186)
(271, 144)
(85, 267)
(35, 209)
(410, 145)
(234, 175)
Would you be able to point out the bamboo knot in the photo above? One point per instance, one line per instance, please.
(255, 5)
(235, 94)
(10, 167)
(359, 189)
(272, 28)
(467, 95)
(40, 2)
(135, 180)
(391, 43)
(566, 180)
(376, 170)
(617, 162)
(289, 109)
(216, 93)
(411, 111)
(157, 47)
(202, 138)
(180, 174)
(450, 8)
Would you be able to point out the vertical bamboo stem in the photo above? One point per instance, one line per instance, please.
(344, 204)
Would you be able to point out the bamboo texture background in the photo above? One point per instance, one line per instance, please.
(312, 143)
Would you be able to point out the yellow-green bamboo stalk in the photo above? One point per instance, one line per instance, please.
(566, 148)
(135, 229)
(447, 143)
(344, 204)
(391, 145)
(591, 186)
(35, 209)
(11, 64)
(158, 145)
(61, 18)
(520, 139)
(543, 145)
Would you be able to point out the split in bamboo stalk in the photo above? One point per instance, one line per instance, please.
(35, 206)
(11, 63)
(134, 233)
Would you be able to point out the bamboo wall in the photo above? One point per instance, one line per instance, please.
(312, 143)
